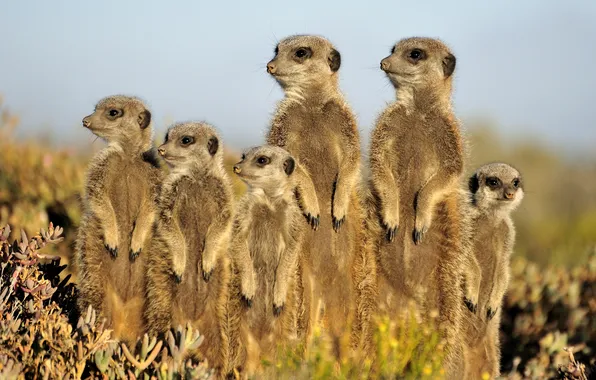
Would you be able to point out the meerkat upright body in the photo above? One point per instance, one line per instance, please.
(267, 237)
(118, 214)
(495, 191)
(317, 127)
(189, 268)
(416, 163)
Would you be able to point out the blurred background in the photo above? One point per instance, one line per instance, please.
(523, 86)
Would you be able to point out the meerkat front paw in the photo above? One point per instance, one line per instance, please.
(277, 309)
(110, 240)
(208, 264)
(248, 287)
(339, 212)
(490, 312)
(421, 227)
(178, 252)
(136, 244)
(471, 305)
(391, 224)
(313, 221)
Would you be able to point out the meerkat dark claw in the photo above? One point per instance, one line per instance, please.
(247, 301)
(113, 251)
(418, 236)
(177, 278)
(133, 255)
(337, 223)
(470, 305)
(277, 310)
(207, 275)
(490, 313)
(390, 233)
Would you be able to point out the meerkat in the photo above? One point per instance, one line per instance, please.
(265, 245)
(118, 212)
(416, 162)
(188, 269)
(316, 126)
(495, 191)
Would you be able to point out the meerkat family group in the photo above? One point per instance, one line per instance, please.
(311, 241)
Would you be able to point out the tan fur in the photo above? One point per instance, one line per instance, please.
(189, 269)
(316, 125)
(118, 213)
(267, 237)
(492, 241)
(416, 162)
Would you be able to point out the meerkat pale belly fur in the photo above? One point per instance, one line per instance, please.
(416, 161)
(495, 191)
(265, 246)
(118, 213)
(314, 123)
(189, 268)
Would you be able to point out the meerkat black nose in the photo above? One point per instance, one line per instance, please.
(237, 169)
(86, 122)
(161, 151)
(271, 68)
(384, 65)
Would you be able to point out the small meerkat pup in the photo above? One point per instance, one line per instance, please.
(265, 244)
(416, 162)
(118, 213)
(188, 271)
(496, 190)
(316, 126)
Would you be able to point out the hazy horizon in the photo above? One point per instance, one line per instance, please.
(525, 66)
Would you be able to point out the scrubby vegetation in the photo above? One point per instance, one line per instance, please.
(549, 316)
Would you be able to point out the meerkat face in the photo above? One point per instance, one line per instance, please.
(417, 61)
(266, 167)
(191, 143)
(304, 59)
(496, 186)
(120, 119)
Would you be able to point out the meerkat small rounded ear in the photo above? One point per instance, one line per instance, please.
(289, 165)
(213, 145)
(473, 184)
(448, 65)
(144, 119)
(334, 60)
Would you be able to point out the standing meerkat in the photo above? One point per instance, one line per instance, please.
(416, 162)
(495, 191)
(265, 245)
(317, 127)
(118, 214)
(188, 271)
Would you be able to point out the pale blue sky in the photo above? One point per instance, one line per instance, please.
(529, 65)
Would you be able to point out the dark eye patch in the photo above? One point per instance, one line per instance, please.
(493, 182)
(263, 160)
(114, 113)
(303, 53)
(416, 55)
(516, 183)
(276, 51)
(187, 140)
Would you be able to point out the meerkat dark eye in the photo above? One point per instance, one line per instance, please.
(300, 53)
(243, 157)
(187, 140)
(263, 160)
(303, 53)
(516, 183)
(276, 50)
(114, 113)
(492, 182)
(416, 55)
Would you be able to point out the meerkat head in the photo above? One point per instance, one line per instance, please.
(268, 168)
(302, 61)
(188, 144)
(496, 187)
(123, 120)
(419, 62)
